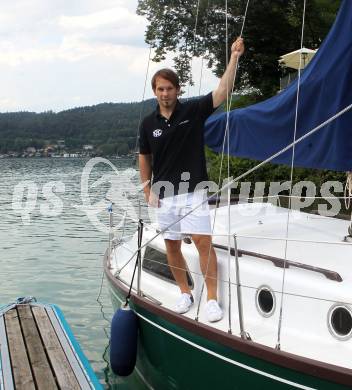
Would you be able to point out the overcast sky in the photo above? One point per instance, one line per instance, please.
(59, 54)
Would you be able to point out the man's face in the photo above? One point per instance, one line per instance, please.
(166, 93)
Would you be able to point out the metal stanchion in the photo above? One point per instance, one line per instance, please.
(139, 256)
(111, 225)
(243, 333)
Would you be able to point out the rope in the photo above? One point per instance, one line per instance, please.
(105, 317)
(291, 178)
(202, 62)
(227, 135)
(101, 288)
(228, 104)
(143, 99)
(200, 84)
(263, 162)
(152, 227)
(229, 184)
(194, 45)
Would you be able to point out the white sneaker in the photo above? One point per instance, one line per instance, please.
(184, 303)
(213, 311)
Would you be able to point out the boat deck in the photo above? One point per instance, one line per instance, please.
(313, 250)
(35, 351)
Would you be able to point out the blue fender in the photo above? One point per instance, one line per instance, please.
(123, 341)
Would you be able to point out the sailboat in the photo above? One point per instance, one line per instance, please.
(285, 278)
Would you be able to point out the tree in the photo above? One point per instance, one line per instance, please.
(106, 123)
(272, 28)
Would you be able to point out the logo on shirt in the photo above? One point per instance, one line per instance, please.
(157, 133)
(184, 122)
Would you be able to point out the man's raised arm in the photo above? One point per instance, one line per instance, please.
(224, 88)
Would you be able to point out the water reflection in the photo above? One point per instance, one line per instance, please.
(58, 259)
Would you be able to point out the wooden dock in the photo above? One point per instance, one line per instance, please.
(36, 353)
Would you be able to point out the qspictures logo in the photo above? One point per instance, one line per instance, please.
(116, 186)
(101, 183)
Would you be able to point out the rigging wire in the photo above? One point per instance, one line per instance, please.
(291, 179)
(193, 48)
(228, 185)
(249, 287)
(228, 175)
(188, 93)
(245, 236)
(143, 102)
(228, 104)
(251, 170)
(205, 38)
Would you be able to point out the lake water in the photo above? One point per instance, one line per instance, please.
(52, 248)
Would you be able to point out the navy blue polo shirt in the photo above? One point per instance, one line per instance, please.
(177, 144)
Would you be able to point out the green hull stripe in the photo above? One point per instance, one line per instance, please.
(297, 385)
(227, 359)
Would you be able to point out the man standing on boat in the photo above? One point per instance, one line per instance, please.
(171, 149)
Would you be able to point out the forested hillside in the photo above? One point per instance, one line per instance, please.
(110, 127)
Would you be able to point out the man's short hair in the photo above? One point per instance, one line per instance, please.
(166, 74)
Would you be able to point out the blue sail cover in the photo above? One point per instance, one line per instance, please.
(263, 129)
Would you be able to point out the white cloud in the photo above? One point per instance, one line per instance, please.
(72, 49)
(95, 20)
(44, 35)
(115, 25)
(60, 54)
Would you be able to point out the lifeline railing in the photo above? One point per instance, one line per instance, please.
(225, 281)
(235, 251)
(125, 217)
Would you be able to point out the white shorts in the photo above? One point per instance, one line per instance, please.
(173, 208)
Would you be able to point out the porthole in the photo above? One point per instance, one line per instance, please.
(265, 301)
(340, 322)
